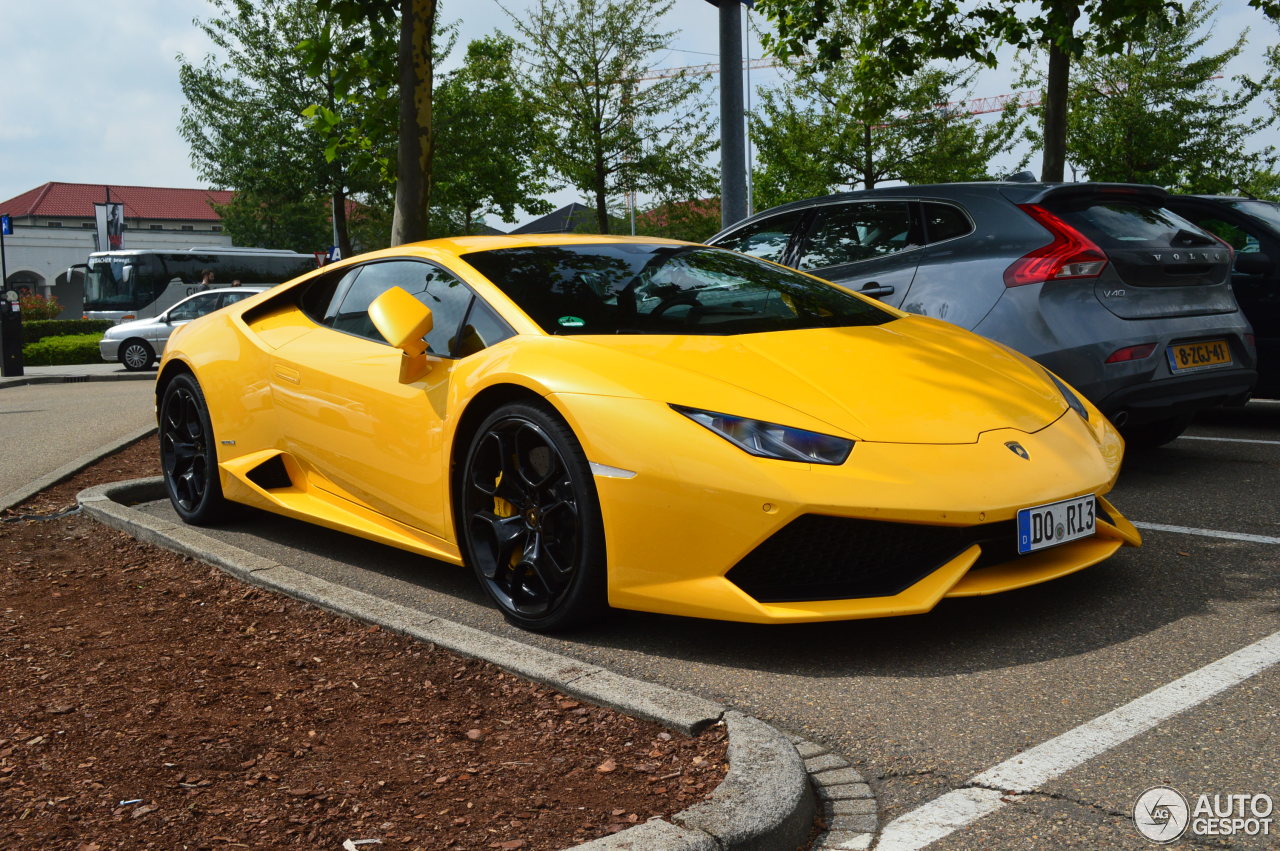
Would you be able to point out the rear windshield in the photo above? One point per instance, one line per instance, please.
(1130, 224)
(665, 289)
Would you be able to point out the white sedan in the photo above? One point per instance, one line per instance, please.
(136, 344)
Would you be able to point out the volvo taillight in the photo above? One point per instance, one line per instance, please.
(1070, 255)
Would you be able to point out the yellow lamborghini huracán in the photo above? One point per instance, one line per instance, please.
(644, 424)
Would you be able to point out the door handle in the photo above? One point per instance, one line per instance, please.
(875, 289)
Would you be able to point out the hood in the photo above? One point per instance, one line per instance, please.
(914, 380)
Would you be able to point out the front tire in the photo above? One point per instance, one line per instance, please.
(136, 355)
(530, 520)
(189, 455)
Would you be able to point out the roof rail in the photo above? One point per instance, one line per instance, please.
(236, 249)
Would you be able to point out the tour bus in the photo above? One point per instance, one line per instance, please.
(142, 283)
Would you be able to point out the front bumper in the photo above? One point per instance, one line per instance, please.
(679, 531)
(110, 349)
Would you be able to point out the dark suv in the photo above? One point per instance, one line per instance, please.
(1102, 283)
(1252, 228)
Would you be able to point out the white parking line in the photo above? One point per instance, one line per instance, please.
(1229, 439)
(989, 791)
(1208, 533)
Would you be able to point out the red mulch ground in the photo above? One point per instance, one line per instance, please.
(153, 702)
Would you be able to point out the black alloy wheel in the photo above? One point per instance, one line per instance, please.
(530, 520)
(188, 455)
(136, 355)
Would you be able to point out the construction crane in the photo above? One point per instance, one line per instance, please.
(708, 69)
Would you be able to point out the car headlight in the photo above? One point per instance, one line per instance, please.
(1067, 393)
(770, 440)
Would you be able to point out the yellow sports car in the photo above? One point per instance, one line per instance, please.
(644, 424)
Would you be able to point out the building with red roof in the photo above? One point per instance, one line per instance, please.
(54, 228)
(145, 207)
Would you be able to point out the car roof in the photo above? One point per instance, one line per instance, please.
(468, 244)
(1023, 191)
(253, 288)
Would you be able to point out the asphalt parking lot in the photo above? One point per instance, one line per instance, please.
(931, 708)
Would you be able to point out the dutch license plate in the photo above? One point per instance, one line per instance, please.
(1184, 357)
(1055, 523)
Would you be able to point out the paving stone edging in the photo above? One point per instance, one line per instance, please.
(766, 801)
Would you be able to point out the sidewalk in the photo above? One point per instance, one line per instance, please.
(77, 372)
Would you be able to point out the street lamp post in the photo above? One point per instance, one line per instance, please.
(733, 148)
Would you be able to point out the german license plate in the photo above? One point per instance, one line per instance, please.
(1055, 523)
(1184, 357)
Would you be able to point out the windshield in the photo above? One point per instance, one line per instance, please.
(665, 289)
(105, 287)
(1265, 210)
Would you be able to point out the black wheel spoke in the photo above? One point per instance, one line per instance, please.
(500, 538)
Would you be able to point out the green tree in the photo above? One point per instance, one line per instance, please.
(412, 27)
(243, 118)
(1153, 112)
(611, 133)
(829, 128)
(903, 36)
(486, 139)
(300, 224)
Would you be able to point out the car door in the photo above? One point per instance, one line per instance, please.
(872, 247)
(180, 314)
(1255, 281)
(345, 415)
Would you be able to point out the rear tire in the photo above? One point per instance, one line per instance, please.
(529, 520)
(189, 455)
(136, 355)
(1155, 434)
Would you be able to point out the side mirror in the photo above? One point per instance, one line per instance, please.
(404, 321)
(1254, 263)
(127, 273)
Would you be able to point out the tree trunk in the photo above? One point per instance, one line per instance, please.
(602, 212)
(413, 160)
(602, 177)
(339, 213)
(868, 167)
(1054, 167)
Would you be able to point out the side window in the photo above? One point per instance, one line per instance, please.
(766, 239)
(483, 329)
(318, 299)
(446, 295)
(852, 232)
(194, 307)
(232, 298)
(943, 221)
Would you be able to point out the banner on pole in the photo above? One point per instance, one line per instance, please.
(110, 221)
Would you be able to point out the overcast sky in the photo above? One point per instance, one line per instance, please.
(89, 92)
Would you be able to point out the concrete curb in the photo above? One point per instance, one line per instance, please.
(765, 802)
(23, 380)
(22, 494)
